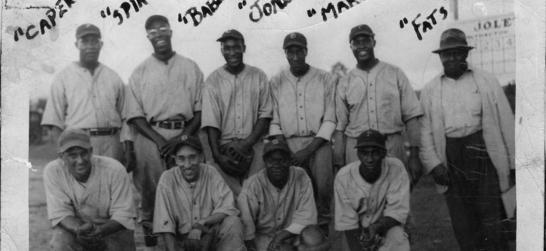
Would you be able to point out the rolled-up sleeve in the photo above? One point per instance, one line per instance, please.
(398, 196)
(211, 115)
(133, 107)
(199, 84)
(265, 109)
(122, 207)
(164, 219)
(346, 217)
(55, 109)
(59, 205)
(342, 108)
(409, 104)
(249, 211)
(306, 209)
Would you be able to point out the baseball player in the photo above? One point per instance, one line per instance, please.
(89, 198)
(376, 95)
(236, 112)
(163, 104)
(277, 202)
(372, 198)
(467, 144)
(90, 96)
(304, 113)
(194, 206)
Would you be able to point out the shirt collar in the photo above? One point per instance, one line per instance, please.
(469, 69)
(308, 75)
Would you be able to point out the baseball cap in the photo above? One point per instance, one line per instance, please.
(73, 138)
(186, 140)
(231, 34)
(295, 38)
(86, 29)
(154, 18)
(453, 39)
(274, 144)
(361, 29)
(371, 138)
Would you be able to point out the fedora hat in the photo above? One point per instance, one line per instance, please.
(453, 39)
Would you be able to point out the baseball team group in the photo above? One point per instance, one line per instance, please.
(304, 160)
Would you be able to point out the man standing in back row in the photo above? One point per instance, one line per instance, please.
(236, 112)
(467, 139)
(304, 113)
(376, 95)
(163, 104)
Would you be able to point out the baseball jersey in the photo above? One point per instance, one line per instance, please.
(179, 204)
(233, 103)
(266, 209)
(381, 99)
(302, 104)
(161, 90)
(107, 192)
(78, 99)
(359, 203)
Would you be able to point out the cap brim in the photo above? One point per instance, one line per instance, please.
(362, 33)
(82, 144)
(453, 47)
(366, 144)
(228, 37)
(85, 33)
(294, 43)
(278, 148)
(181, 144)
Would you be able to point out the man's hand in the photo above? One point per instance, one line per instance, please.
(195, 234)
(415, 167)
(89, 236)
(192, 245)
(369, 237)
(301, 158)
(160, 143)
(439, 173)
(228, 165)
(251, 245)
(167, 149)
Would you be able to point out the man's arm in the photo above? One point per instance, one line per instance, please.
(339, 143)
(54, 132)
(169, 239)
(280, 238)
(258, 131)
(70, 224)
(415, 167)
(189, 129)
(206, 222)
(352, 239)
(144, 128)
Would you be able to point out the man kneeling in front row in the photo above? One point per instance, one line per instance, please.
(372, 198)
(89, 198)
(277, 203)
(194, 208)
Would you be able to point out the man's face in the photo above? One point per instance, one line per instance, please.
(454, 61)
(232, 50)
(159, 34)
(89, 46)
(78, 161)
(371, 157)
(296, 57)
(187, 159)
(362, 47)
(277, 164)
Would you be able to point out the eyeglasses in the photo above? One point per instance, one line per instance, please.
(158, 32)
(292, 54)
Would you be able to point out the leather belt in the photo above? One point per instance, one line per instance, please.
(102, 131)
(172, 125)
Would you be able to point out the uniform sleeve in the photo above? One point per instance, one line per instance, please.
(346, 217)
(164, 219)
(223, 197)
(409, 103)
(328, 125)
(59, 205)
(398, 195)
(265, 109)
(211, 115)
(127, 132)
(55, 110)
(427, 150)
(133, 107)
(249, 212)
(306, 209)
(342, 108)
(199, 83)
(122, 207)
(274, 90)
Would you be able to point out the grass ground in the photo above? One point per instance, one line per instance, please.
(433, 227)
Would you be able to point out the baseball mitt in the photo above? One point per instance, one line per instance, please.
(192, 245)
(242, 159)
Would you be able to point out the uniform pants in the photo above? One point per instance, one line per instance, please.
(236, 183)
(108, 146)
(394, 240)
(66, 241)
(395, 148)
(149, 167)
(473, 197)
(320, 171)
(229, 236)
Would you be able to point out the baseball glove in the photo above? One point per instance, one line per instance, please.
(242, 159)
(192, 245)
(91, 243)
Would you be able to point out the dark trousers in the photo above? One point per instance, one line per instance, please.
(473, 197)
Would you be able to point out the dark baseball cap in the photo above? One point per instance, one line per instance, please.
(361, 29)
(231, 34)
(73, 138)
(371, 138)
(86, 29)
(153, 19)
(276, 143)
(295, 38)
(186, 140)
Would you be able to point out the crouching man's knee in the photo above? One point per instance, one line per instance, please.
(312, 238)
(230, 234)
(395, 240)
(64, 240)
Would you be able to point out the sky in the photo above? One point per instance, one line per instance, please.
(35, 62)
